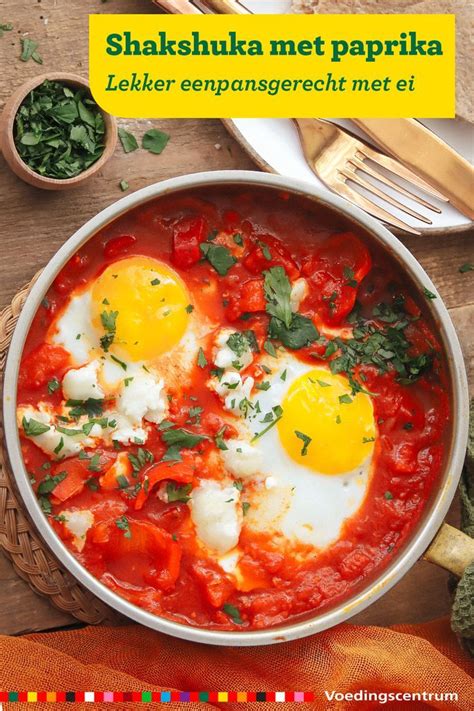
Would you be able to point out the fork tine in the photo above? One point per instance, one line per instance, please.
(343, 189)
(361, 165)
(395, 167)
(351, 175)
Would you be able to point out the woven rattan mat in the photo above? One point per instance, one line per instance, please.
(19, 539)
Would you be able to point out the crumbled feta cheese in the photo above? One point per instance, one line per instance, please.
(53, 442)
(126, 432)
(78, 523)
(82, 384)
(216, 514)
(299, 292)
(241, 459)
(227, 358)
(234, 390)
(143, 398)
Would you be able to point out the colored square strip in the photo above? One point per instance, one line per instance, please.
(154, 696)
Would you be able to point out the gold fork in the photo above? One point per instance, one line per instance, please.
(337, 158)
(195, 7)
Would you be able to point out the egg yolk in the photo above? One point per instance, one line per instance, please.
(139, 306)
(324, 427)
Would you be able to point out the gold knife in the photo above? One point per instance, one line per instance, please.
(427, 155)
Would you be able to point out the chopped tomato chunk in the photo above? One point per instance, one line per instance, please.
(42, 364)
(335, 271)
(188, 234)
(216, 587)
(268, 251)
(249, 298)
(117, 246)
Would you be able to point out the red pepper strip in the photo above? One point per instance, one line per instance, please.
(181, 472)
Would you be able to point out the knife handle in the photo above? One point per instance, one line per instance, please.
(427, 155)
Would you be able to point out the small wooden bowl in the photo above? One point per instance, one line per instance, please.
(7, 141)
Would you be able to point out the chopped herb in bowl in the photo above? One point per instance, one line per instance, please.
(59, 130)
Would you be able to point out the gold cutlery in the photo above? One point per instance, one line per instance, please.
(429, 156)
(337, 158)
(199, 7)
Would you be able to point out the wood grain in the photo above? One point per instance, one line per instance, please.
(33, 224)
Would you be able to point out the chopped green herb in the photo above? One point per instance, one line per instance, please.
(219, 439)
(338, 420)
(306, 442)
(245, 508)
(155, 282)
(128, 141)
(466, 267)
(5, 27)
(189, 308)
(366, 440)
(94, 463)
(33, 428)
(238, 239)
(233, 613)
(155, 141)
(218, 256)
(53, 385)
(265, 251)
(122, 481)
(323, 384)
(178, 493)
(264, 385)
(138, 460)
(270, 348)
(119, 362)
(349, 275)
(123, 525)
(345, 399)
(123, 185)
(29, 50)
(50, 482)
(238, 485)
(201, 359)
(408, 426)
(388, 495)
(429, 294)
(92, 484)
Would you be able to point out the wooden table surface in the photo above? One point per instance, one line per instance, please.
(34, 223)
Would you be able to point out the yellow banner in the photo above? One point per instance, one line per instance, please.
(222, 66)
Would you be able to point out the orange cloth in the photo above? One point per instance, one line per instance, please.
(423, 657)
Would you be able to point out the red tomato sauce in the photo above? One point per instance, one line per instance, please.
(152, 560)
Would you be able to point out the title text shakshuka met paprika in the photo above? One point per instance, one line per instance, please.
(230, 414)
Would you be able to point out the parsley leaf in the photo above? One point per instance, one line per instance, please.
(50, 482)
(178, 493)
(128, 141)
(53, 385)
(155, 141)
(218, 257)
(33, 428)
(277, 289)
(201, 359)
(301, 332)
(233, 613)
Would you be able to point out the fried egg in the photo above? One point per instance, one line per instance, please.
(305, 447)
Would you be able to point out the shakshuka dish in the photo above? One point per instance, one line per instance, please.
(231, 412)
